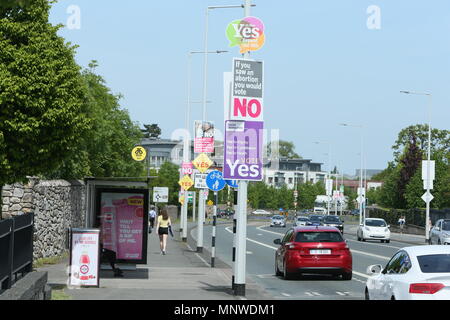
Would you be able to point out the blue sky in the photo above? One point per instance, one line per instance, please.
(323, 66)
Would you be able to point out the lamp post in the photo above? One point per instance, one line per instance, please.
(427, 218)
(329, 170)
(360, 172)
(187, 139)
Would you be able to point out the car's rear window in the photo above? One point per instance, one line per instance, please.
(331, 220)
(375, 223)
(302, 219)
(434, 263)
(324, 236)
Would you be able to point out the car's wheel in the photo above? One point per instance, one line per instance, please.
(366, 294)
(347, 276)
(439, 241)
(393, 298)
(388, 241)
(277, 271)
(382, 241)
(363, 240)
(286, 275)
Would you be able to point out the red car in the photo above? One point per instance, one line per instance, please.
(313, 250)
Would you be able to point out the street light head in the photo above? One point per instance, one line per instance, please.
(343, 124)
(406, 92)
(221, 51)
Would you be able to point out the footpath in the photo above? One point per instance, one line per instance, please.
(181, 274)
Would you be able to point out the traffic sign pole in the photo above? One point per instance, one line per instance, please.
(213, 244)
(200, 220)
(184, 216)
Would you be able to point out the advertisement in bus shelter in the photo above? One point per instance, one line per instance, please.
(122, 219)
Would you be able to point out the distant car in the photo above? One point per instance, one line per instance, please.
(374, 229)
(300, 221)
(306, 250)
(260, 211)
(278, 221)
(440, 233)
(315, 220)
(413, 273)
(333, 221)
(355, 212)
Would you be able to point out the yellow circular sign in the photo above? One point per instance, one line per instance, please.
(138, 153)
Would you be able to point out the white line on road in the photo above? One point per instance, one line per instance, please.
(285, 294)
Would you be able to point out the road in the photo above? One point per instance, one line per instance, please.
(261, 256)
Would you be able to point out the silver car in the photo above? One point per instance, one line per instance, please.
(278, 221)
(301, 221)
(440, 233)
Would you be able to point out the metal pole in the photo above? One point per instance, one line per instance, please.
(427, 218)
(194, 200)
(360, 181)
(213, 241)
(233, 259)
(241, 230)
(200, 220)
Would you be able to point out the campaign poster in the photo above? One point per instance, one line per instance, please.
(123, 221)
(204, 137)
(84, 257)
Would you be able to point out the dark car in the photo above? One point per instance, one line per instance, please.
(333, 221)
(306, 250)
(315, 220)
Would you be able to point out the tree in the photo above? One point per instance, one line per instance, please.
(440, 139)
(42, 114)
(286, 149)
(151, 131)
(409, 163)
(105, 149)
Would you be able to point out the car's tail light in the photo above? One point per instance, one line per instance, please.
(425, 288)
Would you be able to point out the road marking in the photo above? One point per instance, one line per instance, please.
(259, 228)
(361, 274)
(285, 294)
(249, 252)
(259, 234)
(251, 240)
(370, 254)
(312, 293)
(265, 276)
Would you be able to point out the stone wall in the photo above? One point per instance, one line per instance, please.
(57, 206)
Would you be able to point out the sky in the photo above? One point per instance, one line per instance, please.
(326, 62)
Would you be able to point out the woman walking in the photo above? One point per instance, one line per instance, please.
(162, 226)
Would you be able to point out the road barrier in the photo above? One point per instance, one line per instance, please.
(16, 249)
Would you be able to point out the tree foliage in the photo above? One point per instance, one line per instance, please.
(440, 139)
(286, 149)
(403, 185)
(105, 149)
(151, 131)
(42, 114)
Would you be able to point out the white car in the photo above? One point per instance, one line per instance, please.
(374, 229)
(413, 273)
(440, 234)
(278, 221)
(300, 221)
(261, 211)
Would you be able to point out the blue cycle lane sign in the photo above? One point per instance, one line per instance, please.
(215, 181)
(232, 183)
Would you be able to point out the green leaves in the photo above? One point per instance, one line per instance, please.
(41, 94)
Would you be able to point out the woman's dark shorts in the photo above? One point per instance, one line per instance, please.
(162, 231)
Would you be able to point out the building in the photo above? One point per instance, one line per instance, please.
(291, 172)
